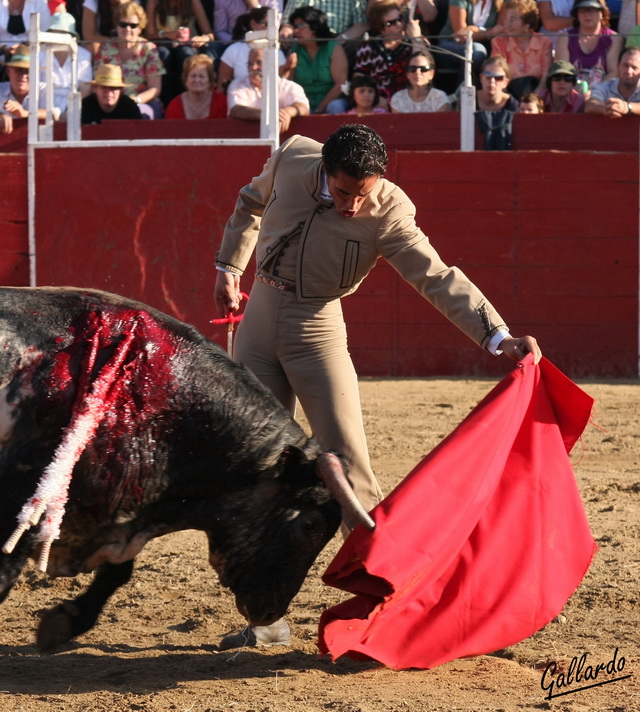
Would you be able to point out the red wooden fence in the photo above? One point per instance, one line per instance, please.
(551, 237)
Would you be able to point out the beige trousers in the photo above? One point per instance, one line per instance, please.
(301, 350)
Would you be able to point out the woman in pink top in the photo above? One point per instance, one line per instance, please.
(528, 53)
(590, 45)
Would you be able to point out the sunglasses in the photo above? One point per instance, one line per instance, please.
(301, 26)
(491, 75)
(130, 25)
(418, 68)
(391, 23)
(562, 78)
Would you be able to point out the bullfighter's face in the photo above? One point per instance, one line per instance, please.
(349, 194)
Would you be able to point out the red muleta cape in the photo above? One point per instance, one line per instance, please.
(481, 545)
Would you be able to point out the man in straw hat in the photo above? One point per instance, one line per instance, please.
(108, 101)
(14, 94)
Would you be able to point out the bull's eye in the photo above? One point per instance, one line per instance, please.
(292, 514)
(309, 524)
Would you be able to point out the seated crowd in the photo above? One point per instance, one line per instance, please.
(190, 59)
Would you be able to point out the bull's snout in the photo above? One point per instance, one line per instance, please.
(256, 613)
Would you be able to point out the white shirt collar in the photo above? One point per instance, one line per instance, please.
(324, 187)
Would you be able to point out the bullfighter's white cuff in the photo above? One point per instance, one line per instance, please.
(496, 340)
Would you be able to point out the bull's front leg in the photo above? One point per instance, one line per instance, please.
(72, 618)
(12, 564)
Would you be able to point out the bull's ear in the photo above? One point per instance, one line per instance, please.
(296, 467)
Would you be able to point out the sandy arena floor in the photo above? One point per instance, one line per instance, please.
(155, 647)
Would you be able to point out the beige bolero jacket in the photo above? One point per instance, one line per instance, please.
(336, 253)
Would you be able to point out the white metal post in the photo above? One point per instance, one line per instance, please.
(52, 41)
(34, 77)
(32, 137)
(46, 131)
(269, 118)
(467, 101)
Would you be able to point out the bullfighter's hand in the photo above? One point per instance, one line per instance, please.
(227, 293)
(517, 348)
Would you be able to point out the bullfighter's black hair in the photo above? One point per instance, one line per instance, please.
(357, 150)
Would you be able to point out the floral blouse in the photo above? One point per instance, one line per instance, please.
(146, 63)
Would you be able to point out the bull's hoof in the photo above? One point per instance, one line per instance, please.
(57, 627)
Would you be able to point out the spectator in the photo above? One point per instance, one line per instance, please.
(227, 12)
(245, 99)
(200, 100)
(321, 67)
(560, 96)
(108, 101)
(464, 16)
(421, 96)
(493, 94)
(426, 11)
(590, 45)
(621, 96)
(64, 23)
(233, 63)
(495, 107)
(139, 59)
(530, 103)
(14, 93)
(167, 22)
(14, 23)
(386, 57)
(364, 96)
(348, 20)
(629, 17)
(528, 53)
(73, 7)
(555, 16)
(98, 23)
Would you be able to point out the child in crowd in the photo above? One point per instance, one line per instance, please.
(364, 96)
(530, 103)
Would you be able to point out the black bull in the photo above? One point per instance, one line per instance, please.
(119, 424)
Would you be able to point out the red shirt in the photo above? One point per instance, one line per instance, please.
(574, 105)
(217, 110)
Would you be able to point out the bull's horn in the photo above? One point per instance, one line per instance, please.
(330, 471)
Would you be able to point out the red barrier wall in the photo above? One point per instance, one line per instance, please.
(14, 233)
(552, 238)
(138, 221)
